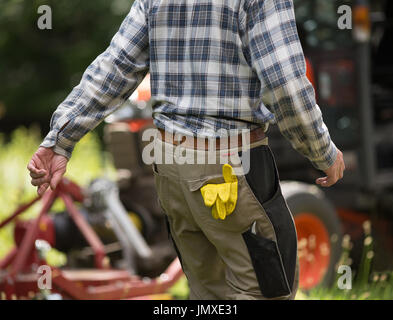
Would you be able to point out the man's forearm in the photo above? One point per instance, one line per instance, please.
(300, 120)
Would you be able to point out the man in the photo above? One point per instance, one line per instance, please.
(214, 66)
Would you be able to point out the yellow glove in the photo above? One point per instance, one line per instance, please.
(221, 197)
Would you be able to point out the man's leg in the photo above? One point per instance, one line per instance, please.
(202, 265)
(200, 261)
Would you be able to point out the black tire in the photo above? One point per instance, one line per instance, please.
(302, 198)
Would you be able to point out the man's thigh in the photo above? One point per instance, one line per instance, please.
(200, 261)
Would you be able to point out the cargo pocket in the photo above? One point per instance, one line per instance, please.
(280, 262)
(267, 265)
(246, 210)
(284, 227)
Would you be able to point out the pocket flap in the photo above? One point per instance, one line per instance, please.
(194, 185)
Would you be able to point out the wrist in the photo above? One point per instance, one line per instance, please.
(328, 159)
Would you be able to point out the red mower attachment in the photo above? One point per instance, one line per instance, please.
(19, 273)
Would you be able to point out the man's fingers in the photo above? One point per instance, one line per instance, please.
(42, 189)
(32, 167)
(56, 179)
(39, 181)
(321, 180)
(326, 181)
(40, 167)
(38, 174)
(330, 182)
(333, 173)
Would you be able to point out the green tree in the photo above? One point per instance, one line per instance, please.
(38, 68)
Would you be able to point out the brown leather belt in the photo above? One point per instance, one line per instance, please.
(203, 143)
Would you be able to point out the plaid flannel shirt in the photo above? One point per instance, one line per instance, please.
(214, 64)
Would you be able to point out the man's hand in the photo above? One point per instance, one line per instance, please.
(334, 173)
(46, 169)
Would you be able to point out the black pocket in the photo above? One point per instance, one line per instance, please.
(268, 192)
(284, 227)
(267, 265)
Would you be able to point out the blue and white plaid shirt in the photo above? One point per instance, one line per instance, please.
(214, 64)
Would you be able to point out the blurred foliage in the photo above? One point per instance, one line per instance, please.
(38, 68)
(87, 163)
(180, 290)
(379, 287)
(366, 284)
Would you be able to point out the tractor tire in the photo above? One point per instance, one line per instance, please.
(319, 233)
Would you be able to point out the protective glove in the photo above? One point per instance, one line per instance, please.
(221, 197)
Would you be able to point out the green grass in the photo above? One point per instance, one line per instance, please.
(366, 283)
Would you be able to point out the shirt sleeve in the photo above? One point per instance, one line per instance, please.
(270, 35)
(106, 84)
